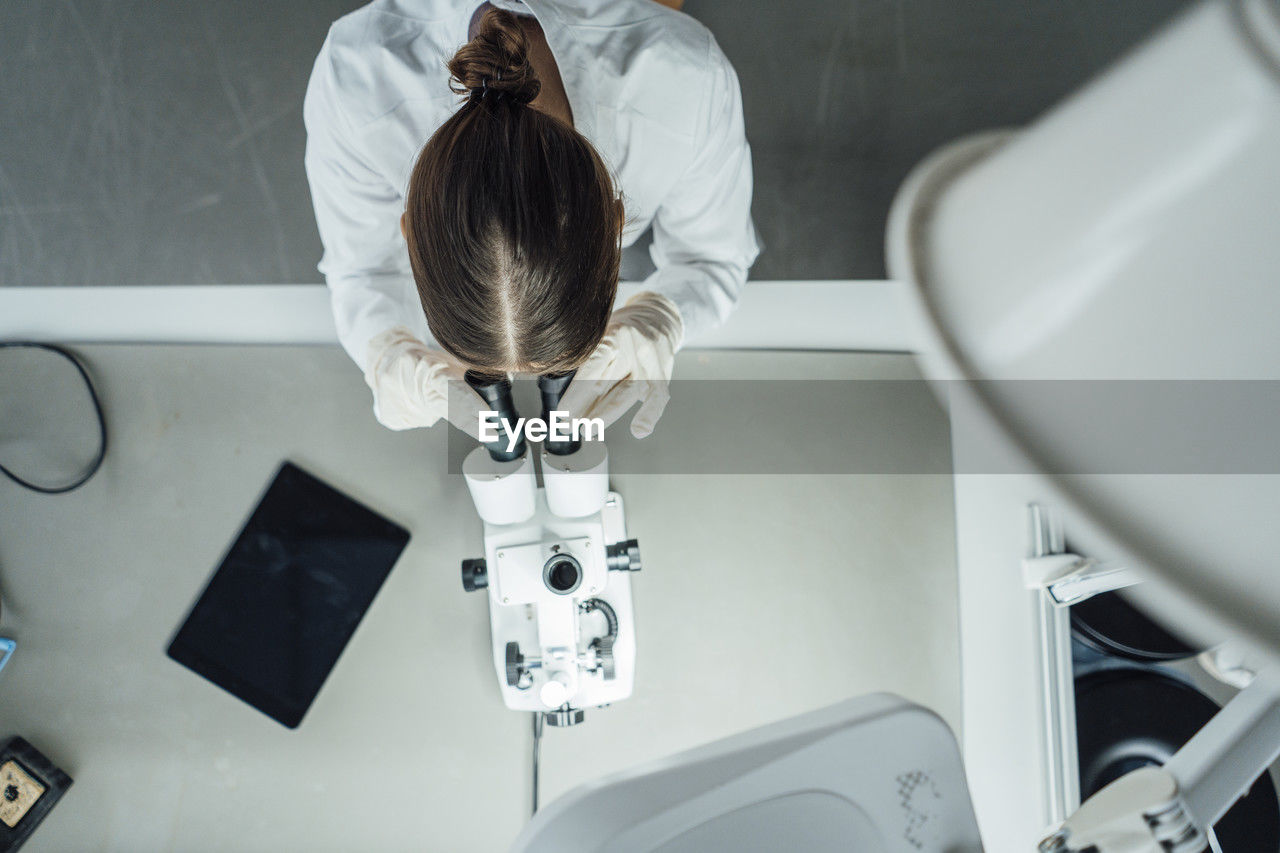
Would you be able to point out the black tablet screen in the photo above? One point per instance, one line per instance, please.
(288, 595)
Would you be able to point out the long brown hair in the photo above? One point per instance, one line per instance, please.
(512, 220)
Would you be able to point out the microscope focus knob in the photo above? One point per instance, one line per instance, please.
(623, 556)
(475, 574)
(515, 664)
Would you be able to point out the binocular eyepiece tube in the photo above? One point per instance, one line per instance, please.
(500, 474)
(496, 391)
(552, 387)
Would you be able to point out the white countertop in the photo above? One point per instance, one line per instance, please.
(788, 315)
(763, 595)
(1000, 661)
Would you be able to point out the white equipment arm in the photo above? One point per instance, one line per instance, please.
(1172, 809)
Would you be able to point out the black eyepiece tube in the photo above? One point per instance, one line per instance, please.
(551, 386)
(496, 391)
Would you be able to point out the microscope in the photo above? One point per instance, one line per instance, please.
(557, 564)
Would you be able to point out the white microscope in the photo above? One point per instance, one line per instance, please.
(556, 564)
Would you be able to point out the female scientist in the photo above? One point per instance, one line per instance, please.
(495, 228)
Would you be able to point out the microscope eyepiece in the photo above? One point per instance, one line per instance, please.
(491, 387)
(552, 386)
(496, 391)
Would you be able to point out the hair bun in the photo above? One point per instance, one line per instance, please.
(496, 60)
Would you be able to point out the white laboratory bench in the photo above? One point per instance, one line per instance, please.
(763, 595)
(788, 315)
(1004, 718)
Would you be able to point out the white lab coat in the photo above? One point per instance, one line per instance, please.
(649, 87)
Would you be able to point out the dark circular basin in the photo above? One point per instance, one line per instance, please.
(1109, 624)
(1130, 718)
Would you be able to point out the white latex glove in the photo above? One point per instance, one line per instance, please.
(415, 386)
(633, 362)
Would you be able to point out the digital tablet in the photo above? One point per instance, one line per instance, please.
(288, 595)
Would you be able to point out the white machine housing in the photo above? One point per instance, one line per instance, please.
(874, 774)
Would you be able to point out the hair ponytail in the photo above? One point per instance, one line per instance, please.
(495, 61)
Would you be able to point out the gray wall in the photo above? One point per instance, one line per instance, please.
(161, 142)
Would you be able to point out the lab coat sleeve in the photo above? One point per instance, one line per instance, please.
(365, 261)
(703, 238)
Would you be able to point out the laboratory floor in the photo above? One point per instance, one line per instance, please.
(763, 595)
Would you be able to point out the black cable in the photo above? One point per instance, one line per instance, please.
(593, 605)
(97, 409)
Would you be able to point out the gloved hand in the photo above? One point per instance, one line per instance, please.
(415, 386)
(633, 362)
